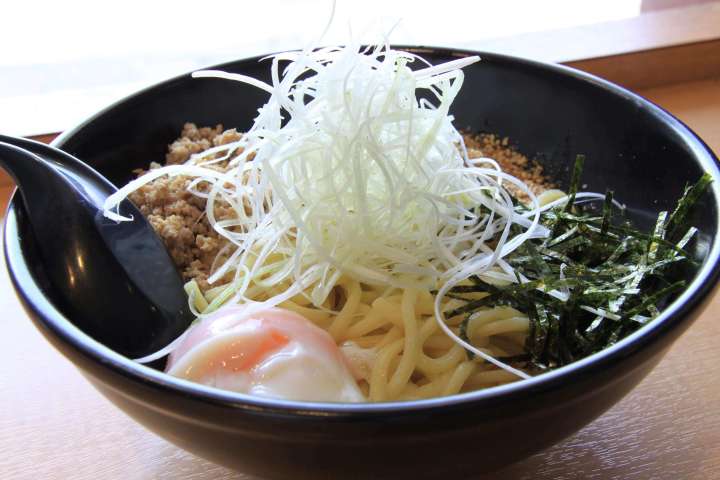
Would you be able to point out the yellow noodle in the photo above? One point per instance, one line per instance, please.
(491, 315)
(393, 334)
(425, 303)
(369, 341)
(410, 344)
(458, 377)
(312, 314)
(508, 325)
(368, 296)
(433, 388)
(449, 360)
(488, 378)
(373, 320)
(379, 375)
(390, 310)
(439, 342)
(339, 326)
(411, 357)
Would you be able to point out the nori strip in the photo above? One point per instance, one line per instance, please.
(601, 263)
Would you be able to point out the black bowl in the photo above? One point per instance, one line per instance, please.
(551, 112)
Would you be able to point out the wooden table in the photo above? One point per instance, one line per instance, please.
(54, 425)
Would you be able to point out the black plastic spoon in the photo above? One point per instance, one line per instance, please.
(117, 281)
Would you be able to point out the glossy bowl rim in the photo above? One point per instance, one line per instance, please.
(672, 317)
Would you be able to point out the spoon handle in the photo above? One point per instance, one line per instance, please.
(115, 281)
(26, 169)
(40, 157)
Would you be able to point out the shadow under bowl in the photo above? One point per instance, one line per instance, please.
(551, 113)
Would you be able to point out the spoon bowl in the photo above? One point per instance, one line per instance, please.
(116, 280)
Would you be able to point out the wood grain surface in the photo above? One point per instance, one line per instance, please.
(692, 23)
(53, 425)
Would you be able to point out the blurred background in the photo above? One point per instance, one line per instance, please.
(61, 61)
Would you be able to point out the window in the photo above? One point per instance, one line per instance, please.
(62, 61)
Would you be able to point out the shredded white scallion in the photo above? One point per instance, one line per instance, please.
(357, 170)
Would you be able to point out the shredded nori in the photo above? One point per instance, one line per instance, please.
(611, 277)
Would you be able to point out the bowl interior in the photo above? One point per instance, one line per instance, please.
(550, 113)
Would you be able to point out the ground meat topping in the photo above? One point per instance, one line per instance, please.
(192, 140)
(177, 215)
(510, 160)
